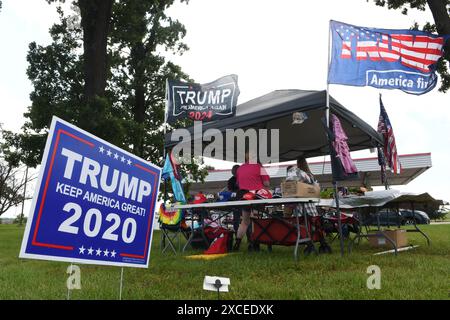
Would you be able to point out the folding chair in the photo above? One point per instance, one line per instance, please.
(169, 234)
(195, 236)
(171, 227)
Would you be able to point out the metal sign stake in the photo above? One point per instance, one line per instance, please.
(121, 283)
(68, 285)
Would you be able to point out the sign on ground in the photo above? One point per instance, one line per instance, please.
(94, 202)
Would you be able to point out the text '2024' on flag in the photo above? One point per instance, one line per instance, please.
(384, 58)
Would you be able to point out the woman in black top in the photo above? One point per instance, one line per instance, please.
(233, 187)
(232, 184)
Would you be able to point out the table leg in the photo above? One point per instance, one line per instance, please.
(296, 212)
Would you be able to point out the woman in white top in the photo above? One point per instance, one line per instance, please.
(303, 174)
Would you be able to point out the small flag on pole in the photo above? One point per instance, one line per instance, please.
(170, 172)
(390, 148)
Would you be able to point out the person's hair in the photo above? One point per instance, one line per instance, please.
(288, 168)
(251, 155)
(303, 165)
(234, 169)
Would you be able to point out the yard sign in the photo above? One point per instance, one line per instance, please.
(94, 203)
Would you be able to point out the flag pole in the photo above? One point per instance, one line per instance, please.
(166, 110)
(327, 114)
(386, 181)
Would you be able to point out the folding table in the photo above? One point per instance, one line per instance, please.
(374, 201)
(301, 237)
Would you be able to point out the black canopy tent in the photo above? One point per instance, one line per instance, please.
(274, 111)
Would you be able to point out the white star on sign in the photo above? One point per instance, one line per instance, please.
(113, 254)
(128, 162)
(98, 251)
(122, 159)
(109, 153)
(101, 149)
(82, 249)
(116, 156)
(90, 250)
(106, 253)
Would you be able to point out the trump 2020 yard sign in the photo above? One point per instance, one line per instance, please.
(94, 203)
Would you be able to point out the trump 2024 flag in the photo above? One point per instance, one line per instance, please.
(383, 58)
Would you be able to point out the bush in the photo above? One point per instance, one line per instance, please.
(438, 215)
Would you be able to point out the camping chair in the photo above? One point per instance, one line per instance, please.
(349, 224)
(170, 234)
(172, 227)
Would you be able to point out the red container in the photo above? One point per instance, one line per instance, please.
(283, 231)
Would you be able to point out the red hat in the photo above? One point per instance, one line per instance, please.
(199, 198)
(248, 196)
(264, 194)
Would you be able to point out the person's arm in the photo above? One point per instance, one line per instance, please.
(230, 183)
(306, 177)
(237, 177)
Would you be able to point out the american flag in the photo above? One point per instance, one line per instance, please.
(415, 51)
(382, 163)
(390, 149)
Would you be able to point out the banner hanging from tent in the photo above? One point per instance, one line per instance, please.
(202, 102)
(383, 58)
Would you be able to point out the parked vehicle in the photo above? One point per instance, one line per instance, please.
(388, 217)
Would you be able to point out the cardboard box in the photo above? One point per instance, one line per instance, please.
(398, 236)
(288, 211)
(296, 189)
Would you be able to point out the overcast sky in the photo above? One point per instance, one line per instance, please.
(270, 45)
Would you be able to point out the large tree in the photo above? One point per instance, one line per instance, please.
(441, 15)
(141, 30)
(95, 21)
(57, 74)
(131, 112)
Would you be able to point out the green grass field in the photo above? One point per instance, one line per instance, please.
(422, 273)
